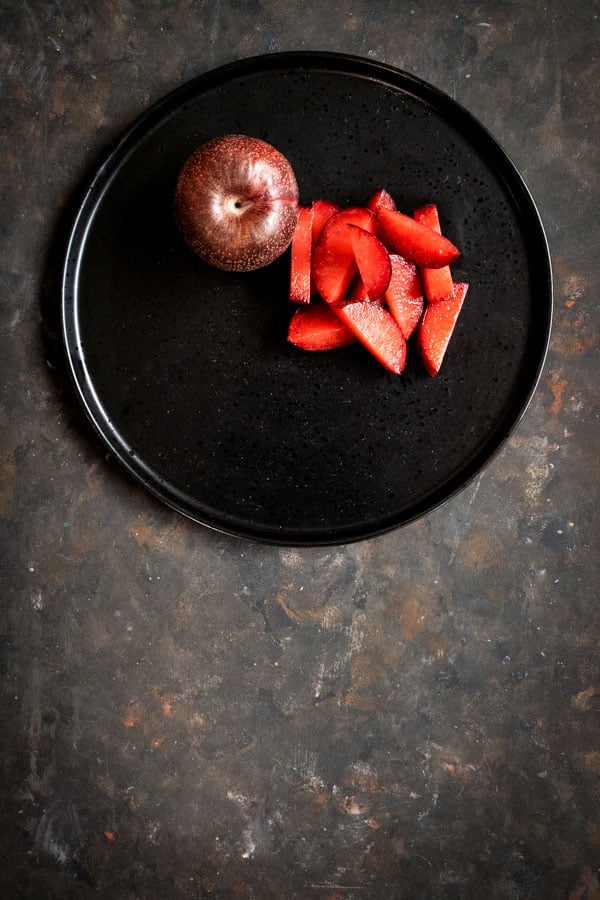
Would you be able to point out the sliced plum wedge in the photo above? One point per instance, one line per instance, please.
(334, 263)
(415, 241)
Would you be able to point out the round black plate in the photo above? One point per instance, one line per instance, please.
(185, 371)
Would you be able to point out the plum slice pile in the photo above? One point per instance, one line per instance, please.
(376, 275)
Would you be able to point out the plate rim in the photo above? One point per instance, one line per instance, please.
(139, 129)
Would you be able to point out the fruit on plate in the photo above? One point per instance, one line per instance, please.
(324, 327)
(236, 202)
(418, 243)
(334, 263)
(316, 327)
(322, 212)
(300, 258)
(375, 328)
(437, 283)
(437, 326)
(404, 295)
(372, 260)
(367, 266)
(358, 291)
(379, 199)
(237, 206)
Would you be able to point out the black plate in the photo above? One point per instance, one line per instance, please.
(185, 371)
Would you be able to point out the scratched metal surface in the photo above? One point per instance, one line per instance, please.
(186, 715)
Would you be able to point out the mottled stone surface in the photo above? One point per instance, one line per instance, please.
(186, 715)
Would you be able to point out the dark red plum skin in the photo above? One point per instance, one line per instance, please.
(236, 202)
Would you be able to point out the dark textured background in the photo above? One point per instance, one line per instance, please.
(186, 715)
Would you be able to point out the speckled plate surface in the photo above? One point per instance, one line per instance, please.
(185, 371)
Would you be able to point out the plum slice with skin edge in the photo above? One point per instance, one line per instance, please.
(372, 260)
(437, 327)
(404, 296)
(437, 283)
(316, 327)
(380, 199)
(416, 242)
(322, 212)
(334, 264)
(375, 328)
(300, 257)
